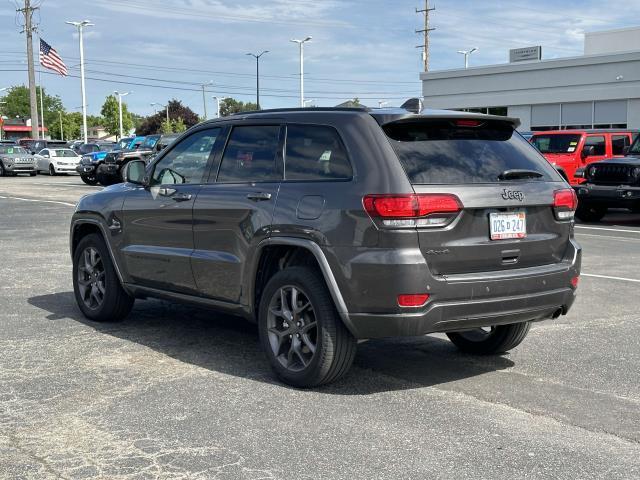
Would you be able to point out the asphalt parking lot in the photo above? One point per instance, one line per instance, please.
(178, 392)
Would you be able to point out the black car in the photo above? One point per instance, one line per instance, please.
(612, 183)
(326, 226)
(110, 171)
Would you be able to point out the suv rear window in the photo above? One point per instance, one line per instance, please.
(315, 153)
(441, 152)
(557, 143)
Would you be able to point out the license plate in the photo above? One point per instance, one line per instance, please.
(507, 225)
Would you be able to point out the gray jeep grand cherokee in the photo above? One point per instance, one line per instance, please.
(326, 226)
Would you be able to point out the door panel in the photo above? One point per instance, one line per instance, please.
(229, 221)
(158, 219)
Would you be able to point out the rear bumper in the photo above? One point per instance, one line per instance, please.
(465, 314)
(623, 196)
(465, 301)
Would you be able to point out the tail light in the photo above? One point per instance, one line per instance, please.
(575, 281)
(565, 203)
(413, 300)
(412, 210)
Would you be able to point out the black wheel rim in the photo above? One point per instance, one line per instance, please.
(292, 328)
(477, 334)
(91, 278)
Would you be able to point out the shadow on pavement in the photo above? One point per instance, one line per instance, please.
(616, 217)
(230, 345)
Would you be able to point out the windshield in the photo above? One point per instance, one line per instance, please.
(124, 143)
(563, 143)
(150, 142)
(635, 147)
(441, 152)
(64, 153)
(12, 150)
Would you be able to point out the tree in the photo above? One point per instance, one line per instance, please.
(229, 106)
(111, 116)
(153, 123)
(179, 126)
(17, 104)
(166, 127)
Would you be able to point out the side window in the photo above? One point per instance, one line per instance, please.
(315, 152)
(618, 142)
(187, 161)
(44, 152)
(251, 155)
(598, 144)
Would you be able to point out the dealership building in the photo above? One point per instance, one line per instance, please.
(600, 89)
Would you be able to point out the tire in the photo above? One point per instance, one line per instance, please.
(635, 209)
(89, 180)
(499, 339)
(318, 324)
(96, 285)
(33, 174)
(3, 173)
(590, 213)
(105, 180)
(52, 170)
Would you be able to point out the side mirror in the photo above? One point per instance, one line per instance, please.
(135, 172)
(46, 156)
(579, 173)
(588, 151)
(625, 150)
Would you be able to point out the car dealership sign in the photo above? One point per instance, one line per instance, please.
(524, 54)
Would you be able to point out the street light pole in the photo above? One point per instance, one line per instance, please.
(80, 26)
(218, 100)
(120, 95)
(466, 54)
(61, 129)
(163, 106)
(257, 57)
(301, 45)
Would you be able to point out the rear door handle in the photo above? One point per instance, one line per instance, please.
(181, 197)
(259, 196)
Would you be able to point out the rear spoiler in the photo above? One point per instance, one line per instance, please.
(386, 116)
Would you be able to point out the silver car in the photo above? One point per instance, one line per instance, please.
(55, 161)
(15, 159)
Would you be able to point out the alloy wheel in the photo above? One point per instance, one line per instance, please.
(91, 278)
(292, 328)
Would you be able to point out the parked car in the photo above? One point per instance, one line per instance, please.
(569, 150)
(15, 159)
(611, 183)
(326, 226)
(165, 141)
(110, 171)
(56, 161)
(95, 156)
(32, 146)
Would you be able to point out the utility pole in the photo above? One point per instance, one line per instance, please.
(425, 31)
(204, 97)
(29, 28)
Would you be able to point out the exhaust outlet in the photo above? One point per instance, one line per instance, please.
(557, 313)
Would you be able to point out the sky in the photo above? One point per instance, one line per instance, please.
(161, 50)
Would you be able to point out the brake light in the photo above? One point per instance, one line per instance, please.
(413, 210)
(565, 203)
(413, 300)
(574, 282)
(468, 123)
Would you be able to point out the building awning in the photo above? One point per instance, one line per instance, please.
(21, 128)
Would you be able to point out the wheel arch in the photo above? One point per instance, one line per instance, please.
(82, 227)
(292, 251)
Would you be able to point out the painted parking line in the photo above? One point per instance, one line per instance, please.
(36, 200)
(608, 229)
(623, 279)
(629, 239)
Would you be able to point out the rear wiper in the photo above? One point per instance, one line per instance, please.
(516, 174)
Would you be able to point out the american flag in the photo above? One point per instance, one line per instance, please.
(50, 59)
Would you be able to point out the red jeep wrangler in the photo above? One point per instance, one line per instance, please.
(569, 150)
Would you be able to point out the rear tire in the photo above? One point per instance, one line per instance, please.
(590, 213)
(96, 286)
(499, 339)
(303, 338)
(3, 173)
(33, 174)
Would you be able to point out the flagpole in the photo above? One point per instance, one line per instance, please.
(41, 101)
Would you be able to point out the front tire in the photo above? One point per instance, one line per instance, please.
(301, 332)
(590, 213)
(52, 170)
(96, 286)
(492, 340)
(89, 180)
(3, 172)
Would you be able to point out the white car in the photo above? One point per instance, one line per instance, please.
(57, 160)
